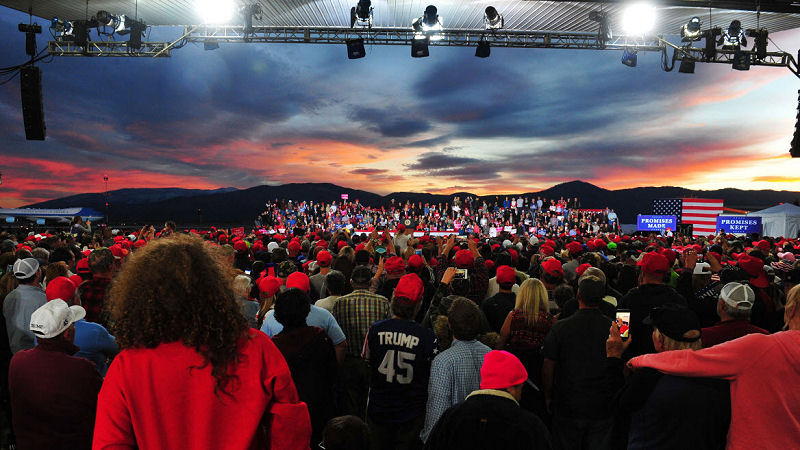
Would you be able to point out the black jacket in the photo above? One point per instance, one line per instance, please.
(488, 419)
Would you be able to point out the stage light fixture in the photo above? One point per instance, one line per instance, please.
(687, 66)
(629, 57)
(361, 14)
(638, 19)
(710, 51)
(218, 12)
(761, 37)
(210, 44)
(428, 25)
(30, 30)
(492, 20)
(419, 48)
(604, 32)
(483, 50)
(733, 37)
(60, 26)
(355, 49)
(691, 30)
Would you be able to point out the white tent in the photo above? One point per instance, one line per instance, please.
(780, 220)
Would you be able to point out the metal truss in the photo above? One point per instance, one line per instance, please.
(108, 48)
(404, 36)
(723, 56)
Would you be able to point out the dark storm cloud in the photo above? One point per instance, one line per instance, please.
(368, 172)
(390, 122)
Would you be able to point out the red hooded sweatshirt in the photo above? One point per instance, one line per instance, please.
(160, 398)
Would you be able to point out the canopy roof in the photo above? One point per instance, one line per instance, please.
(523, 15)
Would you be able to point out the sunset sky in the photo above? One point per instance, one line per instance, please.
(519, 121)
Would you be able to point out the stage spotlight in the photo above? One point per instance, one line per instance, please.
(355, 49)
(218, 12)
(733, 38)
(419, 48)
(428, 25)
(492, 20)
(629, 57)
(762, 40)
(691, 30)
(210, 44)
(741, 60)
(604, 33)
(483, 50)
(61, 26)
(687, 66)
(638, 19)
(361, 14)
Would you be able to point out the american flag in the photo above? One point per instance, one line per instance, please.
(701, 213)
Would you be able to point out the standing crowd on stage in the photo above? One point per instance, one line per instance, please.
(534, 324)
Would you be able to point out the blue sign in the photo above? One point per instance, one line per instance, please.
(9, 220)
(739, 224)
(656, 223)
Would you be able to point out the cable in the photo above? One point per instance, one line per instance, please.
(9, 78)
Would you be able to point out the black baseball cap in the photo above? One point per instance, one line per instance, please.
(674, 321)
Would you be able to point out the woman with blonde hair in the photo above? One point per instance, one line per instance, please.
(191, 373)
(528, 323)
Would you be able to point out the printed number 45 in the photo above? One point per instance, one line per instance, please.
(390, 369)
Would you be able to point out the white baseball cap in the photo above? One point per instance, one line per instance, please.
(25, 268)
(272, 246)
(55, 316)
(738, 295)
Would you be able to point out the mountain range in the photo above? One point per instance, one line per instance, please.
(232, 206)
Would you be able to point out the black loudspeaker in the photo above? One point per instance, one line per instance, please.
(419, 48)
(483, 50)
(30, 81)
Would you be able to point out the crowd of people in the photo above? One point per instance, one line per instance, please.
(322, 336)
(489, 216)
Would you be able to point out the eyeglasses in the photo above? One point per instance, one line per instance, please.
(321, 445)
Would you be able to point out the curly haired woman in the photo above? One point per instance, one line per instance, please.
(191, 373)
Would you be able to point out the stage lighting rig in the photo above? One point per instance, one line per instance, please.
(604, 32)
(492, 19)
(361, 14)
(710, 52)
(638, 19)
(691, 30)
(733, 37)
(248, 13)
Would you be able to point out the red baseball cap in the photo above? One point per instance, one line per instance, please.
(654, 264)
(140, 243)
(464, 259)
(298, 280)
(501, 370)
(755, 268)
(60, 287)
(415, 262)
(552, 266)
(574, 248)
(240, 246)
(294, 246)
(582, 268)
(409, 289)
(340, 245)
(324, 258)
(506, 274)
(82, 266)
(269, 286)
(547, 250)
(394, 265)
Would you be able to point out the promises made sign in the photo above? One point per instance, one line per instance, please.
(656, 223)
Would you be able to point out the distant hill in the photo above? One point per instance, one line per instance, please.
(231, 206)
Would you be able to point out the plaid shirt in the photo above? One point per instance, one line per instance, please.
(455, 373)
(93, 298)
(355, 312)
(478, 277)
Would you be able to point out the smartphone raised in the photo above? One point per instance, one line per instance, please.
(624, 323)
(460, 274)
